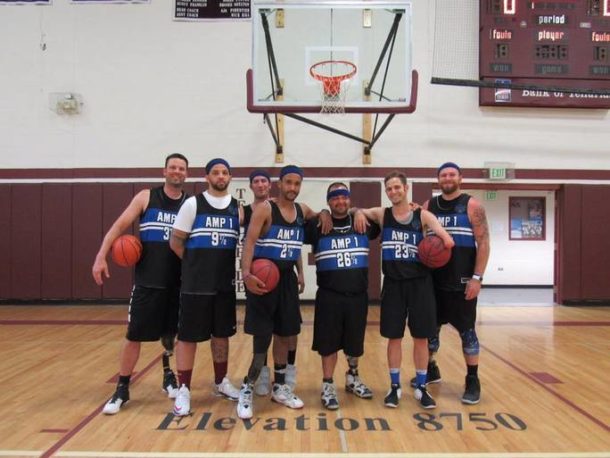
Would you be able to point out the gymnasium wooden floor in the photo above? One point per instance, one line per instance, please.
(545, 375)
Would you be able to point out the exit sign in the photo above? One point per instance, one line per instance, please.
(497, 173)
(491, 195)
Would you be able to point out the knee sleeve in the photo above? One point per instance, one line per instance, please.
(470, 342)
(434, 343)
(168, 342)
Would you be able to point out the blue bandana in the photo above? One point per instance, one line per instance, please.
(337, 192)
(291, 169)
(448, 165)
(213, 162)
(259, 173)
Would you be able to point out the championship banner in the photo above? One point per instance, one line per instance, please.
(25, 2)
(82, 2)
(211, 10)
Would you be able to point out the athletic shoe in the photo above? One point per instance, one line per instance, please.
(433, 375)
(424, 398)
(262, 386)
(283, 394)
(354, 385)
(182, 404)
(244, 403)
(120, 397)
(329, 396)
(226, 390)
(170, 385)
(472, 393)
(393, 396)
(291, 375)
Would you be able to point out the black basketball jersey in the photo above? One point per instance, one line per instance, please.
(453, 216)
(208, 265)
(159, 267)
(283, 241)
(399, 247)
(342, 255)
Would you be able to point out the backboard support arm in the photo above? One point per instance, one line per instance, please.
(390, 39)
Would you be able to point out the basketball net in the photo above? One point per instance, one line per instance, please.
(333, 100)
(335, 80)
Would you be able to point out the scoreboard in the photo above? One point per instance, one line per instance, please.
(547, 47)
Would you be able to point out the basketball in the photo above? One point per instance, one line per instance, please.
(126, 250)
(432, 252)
(266, 271)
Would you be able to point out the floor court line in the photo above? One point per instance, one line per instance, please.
(100, 454)
(548, 389)
(71, 433)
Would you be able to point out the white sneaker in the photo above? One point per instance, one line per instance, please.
(329, 396)
(262, 386)
(227, 390)
(283, 394)
(291, 375)
(120, 397)
(182, 404)
(354, 385)
(244, 404)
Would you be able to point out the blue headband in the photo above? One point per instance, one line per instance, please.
(291, 169)
(259, 173)
(337, 193)
(448, 165)
(213, 162)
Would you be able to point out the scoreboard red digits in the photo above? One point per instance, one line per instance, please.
(546, 44)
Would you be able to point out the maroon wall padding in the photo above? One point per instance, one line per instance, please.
(25, 240)
(583, 244)
(421, 192)
(366, 195)
(5, 241)
(56, 234)
(87, 234)
(595, 220)
(115, 198)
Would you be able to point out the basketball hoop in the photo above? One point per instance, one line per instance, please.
(334, 86)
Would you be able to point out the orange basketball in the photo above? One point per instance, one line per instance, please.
(126, 250)
(266, 271)
(432, 252)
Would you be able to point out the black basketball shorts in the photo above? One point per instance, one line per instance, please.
(453, 308)
(153, 313)
(408, 301)
(276, 312)
(205, 315)
(339, 323)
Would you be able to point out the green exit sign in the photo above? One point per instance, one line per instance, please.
(491, 195)
(497, 173)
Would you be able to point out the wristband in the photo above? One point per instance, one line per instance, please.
(477, 277)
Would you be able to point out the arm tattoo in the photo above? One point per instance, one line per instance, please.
(479, 224)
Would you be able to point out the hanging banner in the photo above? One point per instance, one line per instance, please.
(211, 10)
(25, 2)
(82, 2)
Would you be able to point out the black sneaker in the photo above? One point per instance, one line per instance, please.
(433, 375)
(472, 393)
(120, 397)
(393, 396)
(170, 384)
(424, 398)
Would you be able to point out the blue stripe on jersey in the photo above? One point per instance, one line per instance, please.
(156, 225)
(400, 245)
(214, 231)
(341, 252)
(280, 242)
(458, 226)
